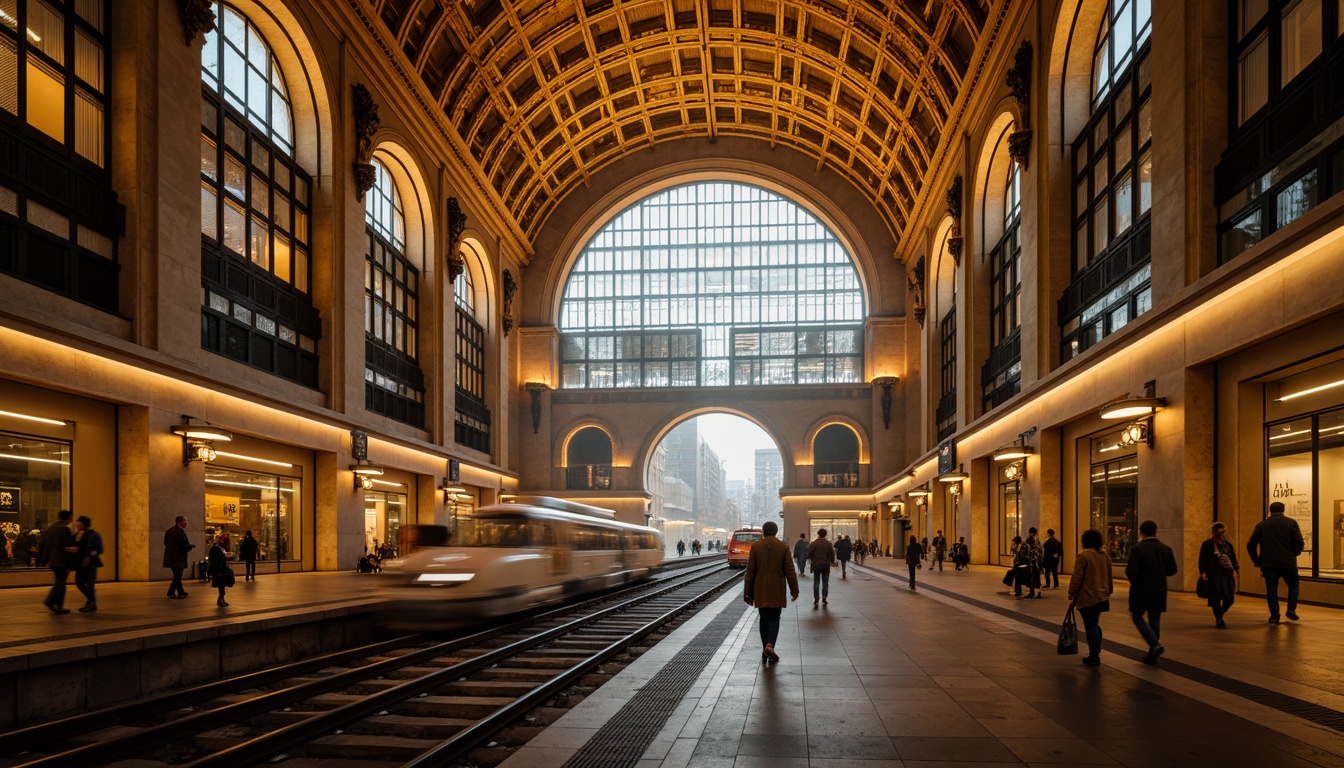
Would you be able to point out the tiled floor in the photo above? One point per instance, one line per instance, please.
(883, 677)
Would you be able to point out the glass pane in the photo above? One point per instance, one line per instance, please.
(1330, 476)
(1250, 12)
(209, 212)
(235, 222)
(235, 179)
(89, 131)
(1145, 182)
(46, 30)
(1101, 233)
(89, 60)
(46, 99)
(1124, 148)
(260, 244)
(1296, 199)
(1290, 476)
(1244, 234)
(1300, 37)
(9, 76)
(1253, 79)
(30, 493)
(1124, 203)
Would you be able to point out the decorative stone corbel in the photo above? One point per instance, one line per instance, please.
(510, 288)
(1019, 82)
(916, 280)
(954, 239)
(198, 17)
(366, 125)
(457, 224)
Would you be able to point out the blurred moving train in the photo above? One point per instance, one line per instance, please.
(521, 554)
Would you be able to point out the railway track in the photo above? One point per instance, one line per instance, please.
(404, 701)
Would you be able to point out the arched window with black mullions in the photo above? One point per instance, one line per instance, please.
(1112, 185)
(471, 422)
(59, 218)
(393, 383)
(256, 208)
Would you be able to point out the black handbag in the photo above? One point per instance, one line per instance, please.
(1068, 635)
(1009, 577)
(1202, 588)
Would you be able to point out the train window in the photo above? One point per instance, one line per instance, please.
(503, 532)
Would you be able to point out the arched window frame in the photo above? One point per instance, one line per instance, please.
(945, 293)
(255, 208)
(593, 472)
(472, 414)
(393, 382)
(832, 470)
(1001, 377)
(647, 304)
(1112, 183)
(54, 107)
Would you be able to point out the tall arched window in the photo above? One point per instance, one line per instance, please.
(712, 284)
(835, 457)
(588, 461)
(256, 225)
(59, 215)
(393, 383)
(1112, 167)
(1001, 377)
(945, 304)
(471, 424)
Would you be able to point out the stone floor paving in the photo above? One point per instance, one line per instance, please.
(883, 677)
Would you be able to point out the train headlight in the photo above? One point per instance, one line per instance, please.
(444, 578)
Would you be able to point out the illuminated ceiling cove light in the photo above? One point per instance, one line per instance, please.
(253, 458)
(21, 457)
(1312, 391)
(38, 419)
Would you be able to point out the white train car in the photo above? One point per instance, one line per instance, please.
(525, 553)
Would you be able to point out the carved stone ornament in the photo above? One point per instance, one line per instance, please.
(510, 288)
(367, 122)
(1019, 81)
(1019, 147)
(457, 224)
(916, 281)
(954, 199)
(954, 247)
(198, 17)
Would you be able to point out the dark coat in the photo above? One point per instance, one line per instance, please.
(820, 553)
(55, 539)
(218, 566)
(800, 549)
(769, 566)
(1054, 553)
(1150, 563)
(176, 545)
(248, 548)
(1222, 582)
(843, 549)
(90, 541)
(1276, 542)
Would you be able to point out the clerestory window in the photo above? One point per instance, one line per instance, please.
(712, 284)
(393, 382)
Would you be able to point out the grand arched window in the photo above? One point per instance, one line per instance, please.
(256, 227)
(588, 461)
(945, 306)
(471, 425)
(1112, 182)
(712, 284)
(835, 457)
(1001, 377)
(393, 383)
(59, 218)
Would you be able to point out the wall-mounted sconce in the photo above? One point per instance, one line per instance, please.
(955, 476)
(919, 495)
(1015, 471)
(886, 383)
(365, 471)
(1018, 449)
(954, 489)
(451, 491)
(1141, 410)
(198, 440)
(535, 388)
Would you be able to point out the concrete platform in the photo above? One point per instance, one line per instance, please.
(958, 673)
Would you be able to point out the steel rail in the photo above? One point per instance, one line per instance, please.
(264, 747)
(456, 747)
(131, 744)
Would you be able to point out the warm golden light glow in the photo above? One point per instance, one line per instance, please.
(253, 458)
(1311, 391)
(38, 419)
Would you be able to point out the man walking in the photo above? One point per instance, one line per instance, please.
(800, 553)
(768, 568)
(1274, 546)
(939, 550)
(1150, 563)
(1054, 555)
(821, 554)
(843, 549)
(57, 552)
(175, 549)
(87, 562)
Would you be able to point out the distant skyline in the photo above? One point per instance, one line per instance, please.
(735, 440)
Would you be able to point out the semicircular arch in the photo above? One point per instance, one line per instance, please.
(991, 174)
(571, 430)
(860, 435)
(413, 191)
(680, 414)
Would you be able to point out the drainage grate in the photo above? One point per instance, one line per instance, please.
(622, 741)
(1292, 705)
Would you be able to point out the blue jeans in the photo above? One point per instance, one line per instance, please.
(1092, 628)
(821, 581)
(769, 625)
(1272, 576)
(1150, 629)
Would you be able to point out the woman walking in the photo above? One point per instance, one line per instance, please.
(221, 575)
(1218, 568)
(914, 552)
(1090, 591)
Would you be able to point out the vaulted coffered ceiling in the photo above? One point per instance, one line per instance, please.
(544, 93)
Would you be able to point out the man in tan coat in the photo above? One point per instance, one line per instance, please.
(769, 566)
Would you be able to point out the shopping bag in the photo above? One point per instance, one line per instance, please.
(1068, 635)
(1009, 577)
(1202, 589)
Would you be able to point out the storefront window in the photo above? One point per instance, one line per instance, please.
(237, 501)
(835, 527)
(1306, 474)
(1330, 514)
(34, 486)
(1115, 495)
(1010, 506)
(384, 512)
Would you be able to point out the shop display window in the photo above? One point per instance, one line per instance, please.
(34, 486)
(1115, 495)
(1010, 506)
(384, 513)
(1305, 472)
(268, 505)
